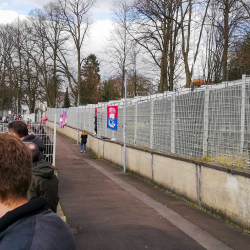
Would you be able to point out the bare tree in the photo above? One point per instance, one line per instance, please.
(156, 30)
(75, 14)
(187, 15)
(56, 38)
(7, 47)
(40, 54)
(118, 45)
(31, 86)
(231, 19)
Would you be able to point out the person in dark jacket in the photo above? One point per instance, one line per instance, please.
(95, 123)
(44, 181)
(84, 137)
(26, 225)
(20, 130)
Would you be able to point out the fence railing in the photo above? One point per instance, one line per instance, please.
(212, 121)
(40, 130)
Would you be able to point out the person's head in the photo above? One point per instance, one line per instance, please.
(35, 152)
(15, 169)
(18, 129)
(84, 132)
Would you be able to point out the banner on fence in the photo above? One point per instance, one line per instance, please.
(63, 118)
(112, 117)
(96, 110)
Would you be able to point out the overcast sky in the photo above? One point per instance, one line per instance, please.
(101, 10)
(11, 9)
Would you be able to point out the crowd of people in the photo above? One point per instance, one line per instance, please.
(29, 194)
(12, 117)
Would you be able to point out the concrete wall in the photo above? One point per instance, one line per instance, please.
(221, 189)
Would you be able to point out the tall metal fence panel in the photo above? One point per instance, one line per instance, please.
(162, 124)
(212, 121)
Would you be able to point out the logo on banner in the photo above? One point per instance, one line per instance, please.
(112, 117)
(63, 118)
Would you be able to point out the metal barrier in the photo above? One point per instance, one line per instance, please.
(212, 121)
(3, 127)
(41, 130)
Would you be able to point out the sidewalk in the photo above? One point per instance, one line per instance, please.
(111, 210)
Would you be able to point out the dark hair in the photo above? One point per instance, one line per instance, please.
(18, 127)
(15, 168)
(35, 152)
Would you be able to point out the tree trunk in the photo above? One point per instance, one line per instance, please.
(226, 41)
(79, 76)
(164, 59)
(54, 77)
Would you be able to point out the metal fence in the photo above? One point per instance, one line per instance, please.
(212, 121)
(3, 127)
(38, 129)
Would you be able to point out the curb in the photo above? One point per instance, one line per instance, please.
(60, 212)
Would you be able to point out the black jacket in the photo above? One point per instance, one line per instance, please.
(44, 183)
(38, 141)
(84, 139)
(33, 226)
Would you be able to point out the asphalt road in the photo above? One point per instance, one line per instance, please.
(110, 210)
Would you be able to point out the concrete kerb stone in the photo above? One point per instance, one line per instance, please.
(59, 207)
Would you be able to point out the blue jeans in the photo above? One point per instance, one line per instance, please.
(84, 145)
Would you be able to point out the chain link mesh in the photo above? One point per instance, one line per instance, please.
(211, 121)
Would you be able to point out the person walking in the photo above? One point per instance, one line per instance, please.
(84, 137)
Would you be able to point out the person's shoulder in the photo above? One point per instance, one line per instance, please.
(50, 229)
(18, 235)
(29, 138)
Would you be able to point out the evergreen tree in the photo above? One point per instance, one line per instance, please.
(106, 92)
(111, 89)
(66, 103)
(90, 84)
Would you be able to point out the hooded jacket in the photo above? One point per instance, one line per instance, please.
(44, 183)
(38, 141)
(33, 226)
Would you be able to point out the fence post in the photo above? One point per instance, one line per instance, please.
(151, 122)
(104, 115)
(206, 122)
(89, 122)
(84, 117)
(54, 141)
(243, 112)
(173, 124)
(135, 127)
(124, 124)
(78, 122)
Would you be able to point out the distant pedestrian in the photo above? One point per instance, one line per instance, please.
(84, 137)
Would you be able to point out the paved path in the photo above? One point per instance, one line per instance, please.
(112, 210)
